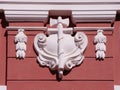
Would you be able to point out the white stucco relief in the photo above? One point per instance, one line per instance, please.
(20, 40)
(60, 50)
(100, 45)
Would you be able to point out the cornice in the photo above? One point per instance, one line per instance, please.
(61, 1)
(82, 10)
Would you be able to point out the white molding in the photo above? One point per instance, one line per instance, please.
(26, 28)
(116, 87)
(78, 15)
(82, 10)
(41, 18)
(93, 28)
(64, 29)
(77, 12)
(42, 12)
(93, 7)
(54, 29)
(59, 1)
(94, 18)
(3, 87)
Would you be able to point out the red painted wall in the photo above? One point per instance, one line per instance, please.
(92, 74)
(116, 52)
(2, 51)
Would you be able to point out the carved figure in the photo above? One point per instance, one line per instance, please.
(60, 51)
(100, 47)
(20, 40)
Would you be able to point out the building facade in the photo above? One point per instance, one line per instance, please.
(59, 45)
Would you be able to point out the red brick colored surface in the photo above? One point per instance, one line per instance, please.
(27, 74)
(2, 55)
(92, 74)
(63, 85)
(116, 52)
(30, 24)
(29, 69)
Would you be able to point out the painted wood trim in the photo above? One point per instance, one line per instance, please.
(75, 28)
(26, 28)
(58, 1)
(82, 11)
(116, 87)
(3, 87)
(93, 28)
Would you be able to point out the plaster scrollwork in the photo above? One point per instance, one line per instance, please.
(20, 40)
(60, 51)
(100, 45)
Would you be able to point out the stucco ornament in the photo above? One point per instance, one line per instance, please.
(60, 51)
(100, 45)
(20, 40)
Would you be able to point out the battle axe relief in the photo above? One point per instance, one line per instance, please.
(60, 50)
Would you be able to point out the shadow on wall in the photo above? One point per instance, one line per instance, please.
(4, 23)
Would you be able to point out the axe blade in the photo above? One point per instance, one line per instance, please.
(55, 21)
(65, 21)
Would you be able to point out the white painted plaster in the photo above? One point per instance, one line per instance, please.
(82, 10)
(116, 87)
(2, 87)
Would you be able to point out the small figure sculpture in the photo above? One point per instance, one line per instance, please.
(20, 40)
(100, 47)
